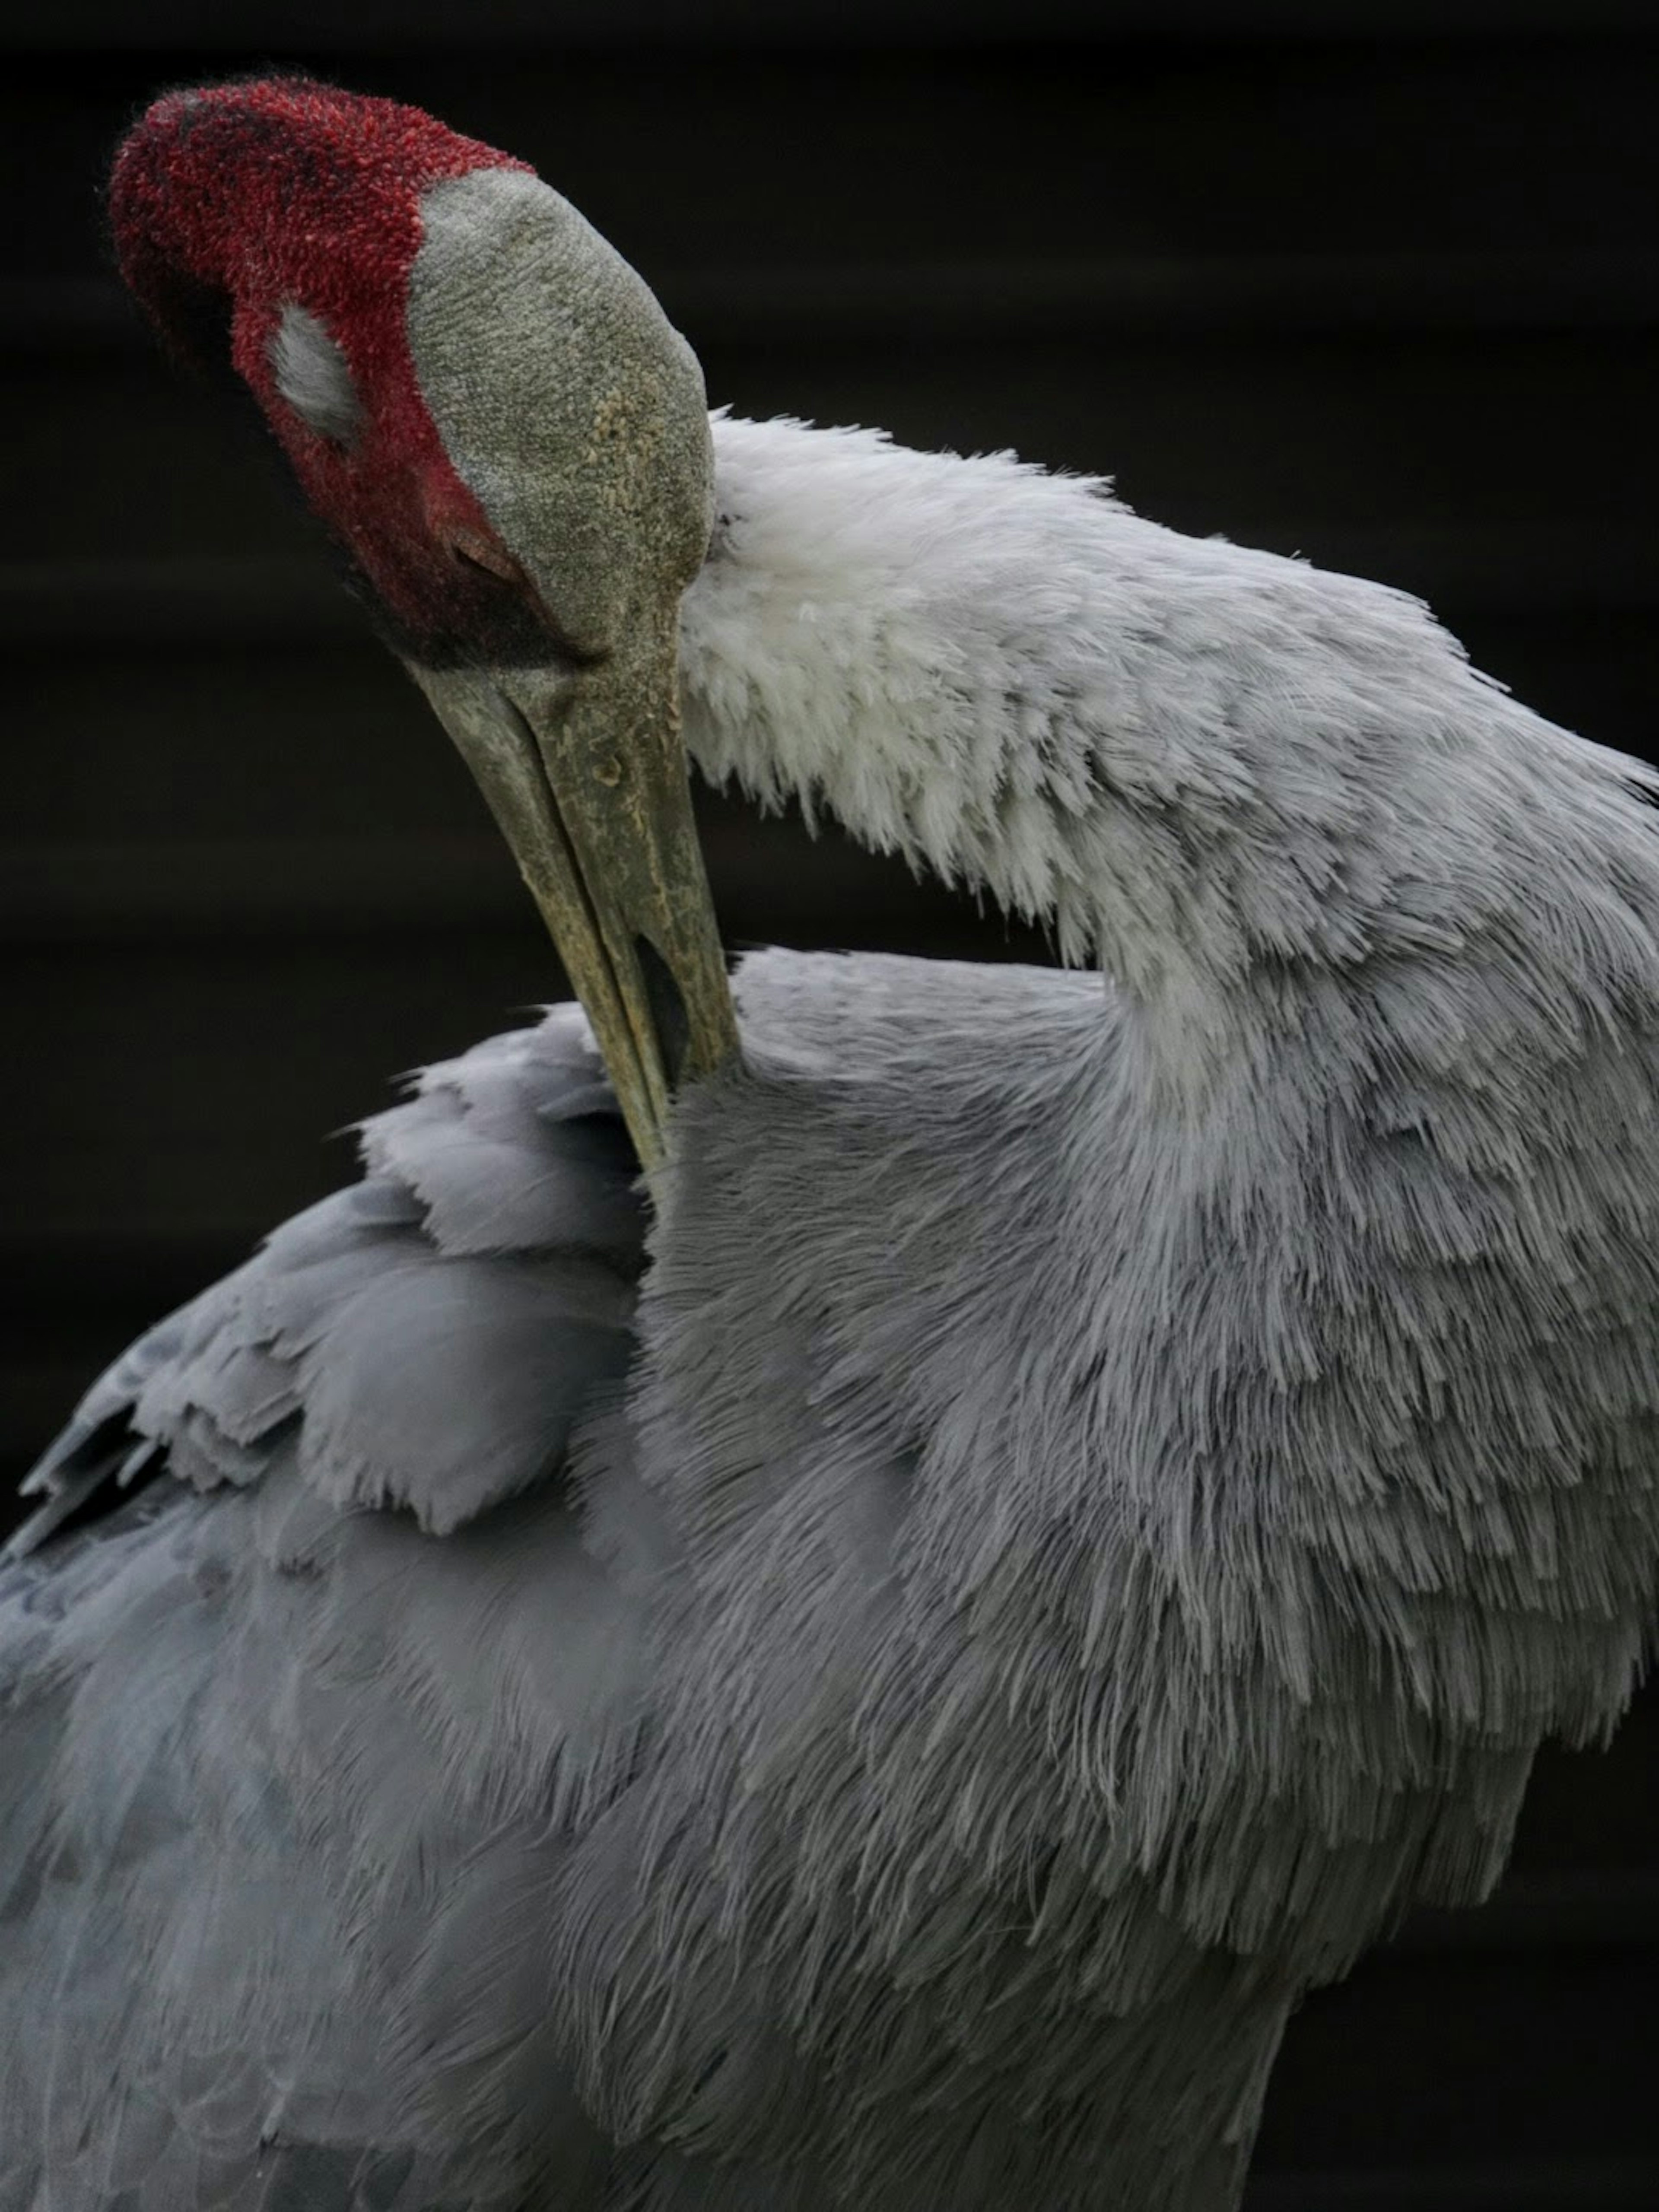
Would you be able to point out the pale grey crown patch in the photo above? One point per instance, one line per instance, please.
(314, 376)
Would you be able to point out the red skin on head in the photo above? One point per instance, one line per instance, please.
(249, 195)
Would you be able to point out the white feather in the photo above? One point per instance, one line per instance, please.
(313, 376)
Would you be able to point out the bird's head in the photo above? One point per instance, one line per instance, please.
(509, 444)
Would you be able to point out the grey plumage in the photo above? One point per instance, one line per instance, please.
(212, 1696)
(876, 1702)
(881, 1683)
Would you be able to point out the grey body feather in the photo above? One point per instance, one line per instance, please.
(1113, 1484)
(470, 1821)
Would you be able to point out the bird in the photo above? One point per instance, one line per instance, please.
(836, 1586)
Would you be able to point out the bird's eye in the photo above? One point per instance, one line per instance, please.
(520, 625)
(484, 559)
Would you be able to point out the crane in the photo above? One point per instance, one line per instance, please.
(833, 1588)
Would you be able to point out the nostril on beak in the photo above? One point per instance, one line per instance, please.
(668, 1013)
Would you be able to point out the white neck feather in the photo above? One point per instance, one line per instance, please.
(1200, 766)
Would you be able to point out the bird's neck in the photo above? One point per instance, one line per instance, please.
(1220, 776)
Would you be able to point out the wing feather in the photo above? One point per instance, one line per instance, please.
(434, 1330)
(254, 1719)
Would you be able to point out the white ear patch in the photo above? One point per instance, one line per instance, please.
(312, 376)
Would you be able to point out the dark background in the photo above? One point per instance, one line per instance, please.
(1379, 284)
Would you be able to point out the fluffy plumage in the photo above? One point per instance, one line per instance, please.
(1202, 764)
(1079, 1556)
(1098, 1495)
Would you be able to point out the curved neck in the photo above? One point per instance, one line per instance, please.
(1233, 781)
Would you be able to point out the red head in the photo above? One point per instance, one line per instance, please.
(289, 215)
(511, 442)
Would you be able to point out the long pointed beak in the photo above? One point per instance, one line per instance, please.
(585, 773)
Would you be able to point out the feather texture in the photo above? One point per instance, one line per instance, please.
(872, 1700)
(247, 1733)
(1098, 1496)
